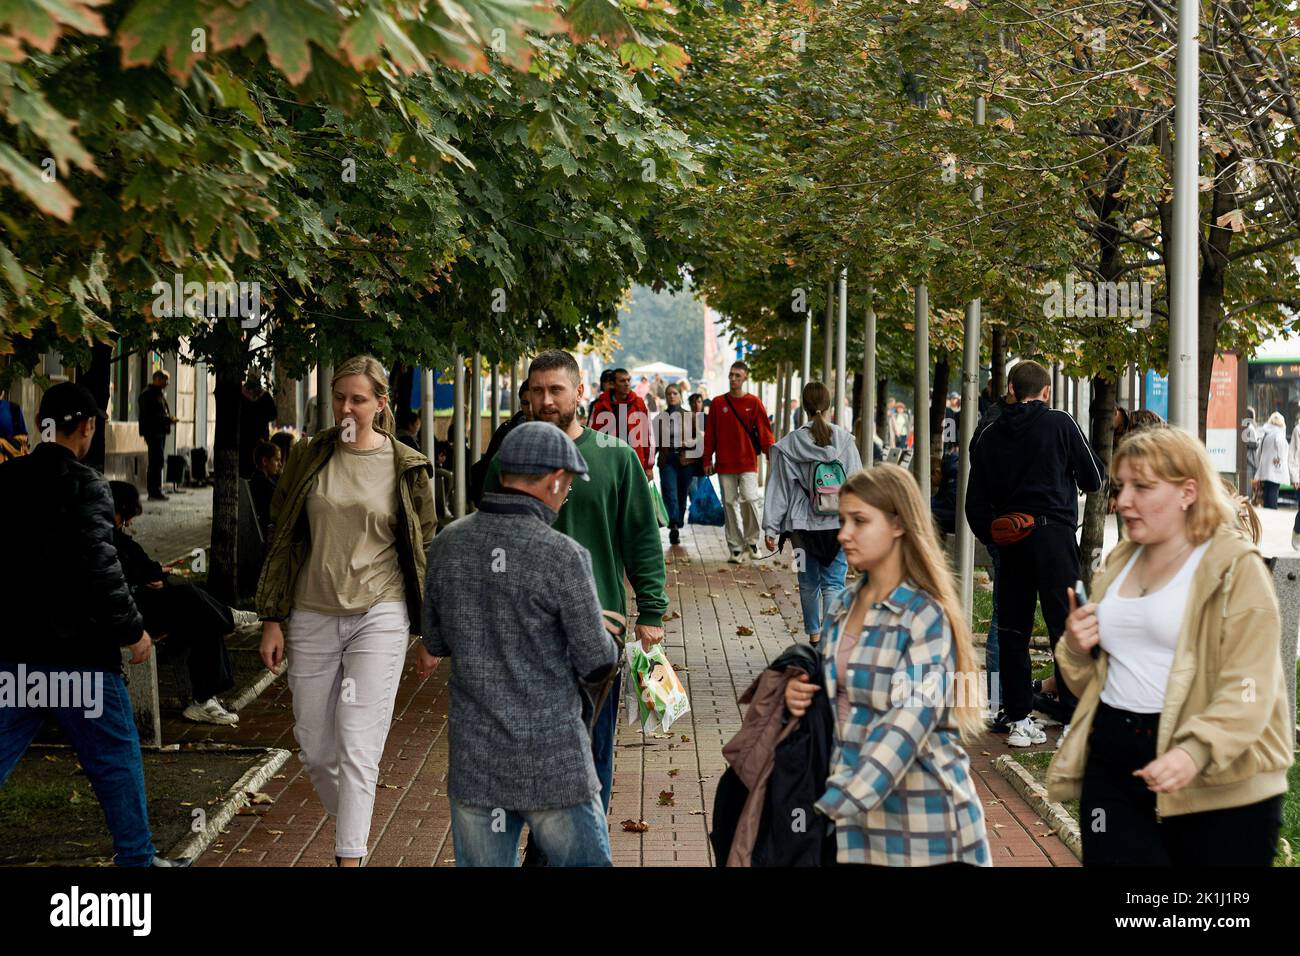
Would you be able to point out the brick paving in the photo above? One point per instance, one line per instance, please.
(411, 824)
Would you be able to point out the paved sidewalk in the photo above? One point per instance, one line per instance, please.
(667, 781)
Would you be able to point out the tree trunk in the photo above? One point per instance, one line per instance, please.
(882, 392)
(938, 406)
(1209, 293)
(998, 360)
(1102, 433)
(96, 378)
(223, 558)
(285, 391)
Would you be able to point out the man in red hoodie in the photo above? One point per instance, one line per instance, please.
(736, 432)
(623, 413)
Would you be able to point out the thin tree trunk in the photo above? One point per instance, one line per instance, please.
(998, 359)
(96, 378)
(223, 557)
(1102, 409)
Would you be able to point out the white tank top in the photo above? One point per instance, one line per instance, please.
(1141, 634)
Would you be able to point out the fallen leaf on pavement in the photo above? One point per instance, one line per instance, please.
(674, 772)
(685, 739)
(698, 813)
(743, 631)
(260, 797)
(666, 798)
(635, 826)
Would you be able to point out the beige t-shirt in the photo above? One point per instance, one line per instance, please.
(352, 513)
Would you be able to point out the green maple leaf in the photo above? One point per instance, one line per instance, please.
(40, 23)
(164, 27)
(375, 31)
(287, 27)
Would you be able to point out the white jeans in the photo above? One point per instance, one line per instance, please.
(740, 504)
(343, 672)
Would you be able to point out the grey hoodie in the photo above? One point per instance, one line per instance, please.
(786, 504)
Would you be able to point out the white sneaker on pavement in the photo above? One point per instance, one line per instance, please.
(1025, 733)
(737, 557)
(209, 712)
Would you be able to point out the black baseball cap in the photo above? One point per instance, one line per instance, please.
(67, 403)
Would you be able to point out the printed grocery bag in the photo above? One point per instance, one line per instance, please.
(655, 697)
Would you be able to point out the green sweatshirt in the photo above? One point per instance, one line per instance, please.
(613, 517)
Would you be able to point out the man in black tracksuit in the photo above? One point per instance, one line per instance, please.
(1030, 460)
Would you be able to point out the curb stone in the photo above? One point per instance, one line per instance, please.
(1054, 814)
(235, 799)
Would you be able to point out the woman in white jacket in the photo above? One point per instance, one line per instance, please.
(1273, 459)
(801, 502)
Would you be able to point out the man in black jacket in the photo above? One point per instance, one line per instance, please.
(1030, 463)
(60, 651)
(155, 425)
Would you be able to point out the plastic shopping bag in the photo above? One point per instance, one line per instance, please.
(655, 697)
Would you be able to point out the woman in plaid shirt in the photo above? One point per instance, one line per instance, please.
(903, 686)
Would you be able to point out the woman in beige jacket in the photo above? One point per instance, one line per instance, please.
(1182, 738)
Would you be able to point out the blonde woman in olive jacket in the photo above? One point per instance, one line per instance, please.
(1179, 748)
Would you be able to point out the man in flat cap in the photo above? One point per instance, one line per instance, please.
(513, 603)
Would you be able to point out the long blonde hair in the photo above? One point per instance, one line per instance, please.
(894, 491)
(1171, 454)
(370, 367)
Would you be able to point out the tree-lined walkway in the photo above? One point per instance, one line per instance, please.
(666, 781)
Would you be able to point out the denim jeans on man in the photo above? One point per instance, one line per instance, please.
(569, 836)
(818, 585)
(108, 748)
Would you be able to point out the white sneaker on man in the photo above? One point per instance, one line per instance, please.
(737, 557)
(1025, 733)
(209, 712)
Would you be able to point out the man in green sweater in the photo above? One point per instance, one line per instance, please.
(613, 517)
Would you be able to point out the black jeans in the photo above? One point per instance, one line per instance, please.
(1034, 571)
(1269, 490)
(192, 618)
(1117, 813)
(154, 475)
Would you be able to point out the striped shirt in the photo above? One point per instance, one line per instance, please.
(900, 791)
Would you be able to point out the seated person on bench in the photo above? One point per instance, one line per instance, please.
(187, 616)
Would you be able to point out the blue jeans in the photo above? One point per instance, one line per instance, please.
(108, 747)
(818, 585)
(570, 836)
(674, 481)
(603, 733)
(991, 649)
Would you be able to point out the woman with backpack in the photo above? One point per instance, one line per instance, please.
(903, 689)
(807, 469)
(1181, 739)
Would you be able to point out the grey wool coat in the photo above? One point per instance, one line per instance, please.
(512, 603)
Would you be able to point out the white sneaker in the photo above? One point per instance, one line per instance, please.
(754, 553)
(1065, 732)
(1026, 733)
(1295, 540)
(737, 557)
(209, 712)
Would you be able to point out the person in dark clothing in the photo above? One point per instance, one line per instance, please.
(676, 439)
(256, 414)
(182, 615)
(75, 616)
(156, 422)
(266, 471)
(478, 471)
(606, 386)
(13, 430)
(284, 441)
(1027, 468)
(408, 427)
(943, 504)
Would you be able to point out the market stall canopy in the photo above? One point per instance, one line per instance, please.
(658, 368)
